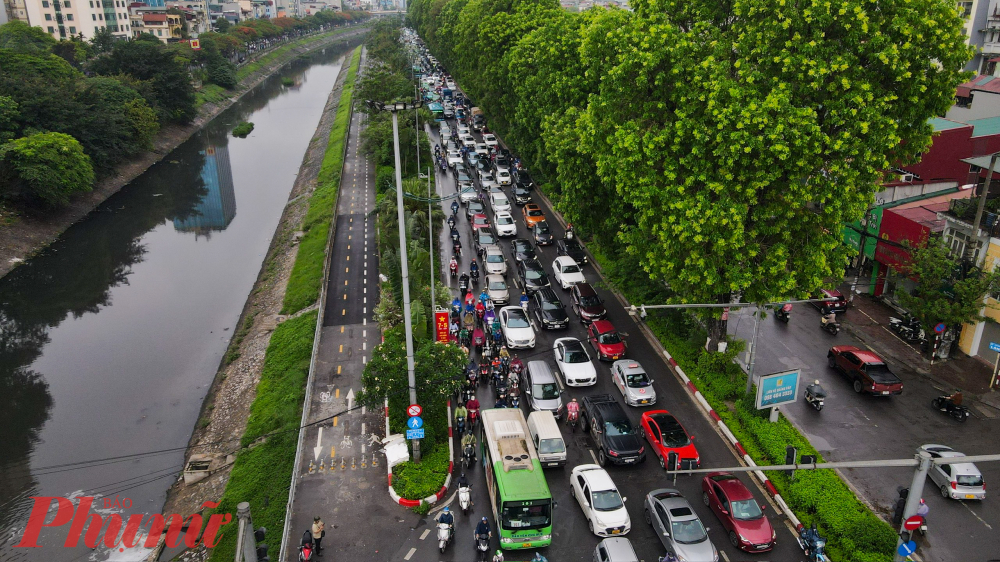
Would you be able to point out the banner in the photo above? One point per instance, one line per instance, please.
(441, 326)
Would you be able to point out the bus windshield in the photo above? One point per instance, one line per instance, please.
(517, 517)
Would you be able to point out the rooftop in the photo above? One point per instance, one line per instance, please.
(941, 124)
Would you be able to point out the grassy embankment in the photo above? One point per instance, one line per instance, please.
(263, 469)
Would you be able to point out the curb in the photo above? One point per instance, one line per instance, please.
(430, 500)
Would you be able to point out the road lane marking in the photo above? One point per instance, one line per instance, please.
(976, 516)
(338, 369)
(341, 329)
(409, 554)
(336, 392)
(334, 421)
(591, 451)
(424, 534)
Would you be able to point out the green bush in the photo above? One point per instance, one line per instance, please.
(242, 129)
(417, 481)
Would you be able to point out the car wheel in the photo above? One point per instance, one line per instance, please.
(733, 539)
(857, 386)
(704, 498)
(590, 525)
(602, 459)
(649, 518)
(572, 492)
(944, 492)
(831, 361)
(663, 464)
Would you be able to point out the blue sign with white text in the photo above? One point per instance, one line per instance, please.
(994, 346)
(777, 389)
(415, 433)
(415, 422)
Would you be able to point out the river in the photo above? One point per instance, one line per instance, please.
(111, 337)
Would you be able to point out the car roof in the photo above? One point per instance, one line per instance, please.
(832, 293)
(494, 277)
(504, 214)
(868, 356)
(532, 263)
(569, 342)
(602, 326)
(585, 290)
(734, 489)
(532, 206)
(627, 366)
(596, 477)
(547, 294)
(492, 249)
(563, 259)
(619, 549)
(672, 500)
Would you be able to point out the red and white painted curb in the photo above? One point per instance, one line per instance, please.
(764, 480)
(447, 481)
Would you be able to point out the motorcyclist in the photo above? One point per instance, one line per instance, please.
(461, 412)
(483, 528)
(829, 318)
(480, 309)
(504, 355)
(453, 329)
(473, 405)
(955, 398)
(453, 266)
(474, 267)
(454, 207)
(501, 402)
(524, 301)
(516, 365)
(446, 517)
(539, 558)
(498, 557)
(572, 409)
(484, 296)
(923, 509)
(456, 304)
(463, 482)
(469, 300)
(463, 282)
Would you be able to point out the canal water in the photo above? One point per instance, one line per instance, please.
(111, 337)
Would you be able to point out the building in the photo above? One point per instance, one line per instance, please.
(218, 207)
(976, 15)
(64, 18)
(156, 21)
(14, 10)
(195, 14)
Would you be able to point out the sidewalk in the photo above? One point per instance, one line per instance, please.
(868, 319)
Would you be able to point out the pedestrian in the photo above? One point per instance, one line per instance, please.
(318, 532)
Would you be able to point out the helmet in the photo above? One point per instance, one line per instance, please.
(445, 509)
(816, 381)
(485, 521)
(463, 475)
(922, 501)
(573, 400)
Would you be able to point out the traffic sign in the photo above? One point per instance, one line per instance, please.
(994, 346)
(415, 433)
(940, 327)
(416, 422)
(913, 523)
(414, 410)
(907, 548)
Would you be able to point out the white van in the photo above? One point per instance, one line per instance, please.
(547, 438)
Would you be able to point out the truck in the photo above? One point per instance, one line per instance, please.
(478, 118)
(865, 370)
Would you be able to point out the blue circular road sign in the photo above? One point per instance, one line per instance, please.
(907, 548)
(416, 422)
(940, 327)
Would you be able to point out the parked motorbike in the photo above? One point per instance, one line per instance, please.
(783, 313)
(815, 395)
(444, 535)
(306, 547)
(465, 498)
(943, 404)
(908, 328)
(812, 544)
(483, 546)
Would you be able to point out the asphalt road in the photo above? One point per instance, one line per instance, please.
(572, 541)
(862, 427)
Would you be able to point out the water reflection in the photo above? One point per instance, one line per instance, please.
(218, 207)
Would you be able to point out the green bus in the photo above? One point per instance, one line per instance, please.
(519, 494)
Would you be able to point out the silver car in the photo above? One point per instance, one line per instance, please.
(615, 549)
(960, 481)
(633, 382)
(496, 288)
(678, 526)
(493, 260)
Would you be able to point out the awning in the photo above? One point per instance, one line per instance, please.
(964, 92)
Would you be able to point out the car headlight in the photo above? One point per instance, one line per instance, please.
(642, 449)
(508, 540)
(682, 559)
(546, 537)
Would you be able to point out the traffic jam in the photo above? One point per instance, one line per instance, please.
(546, 336)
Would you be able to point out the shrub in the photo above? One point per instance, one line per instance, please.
(46, 167)
(243, 129)
(417, 481)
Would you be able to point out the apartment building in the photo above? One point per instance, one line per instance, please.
(65, 18)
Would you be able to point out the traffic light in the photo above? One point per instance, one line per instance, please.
(672, 460)
(258, 536)
(790, 453)
(807, 459)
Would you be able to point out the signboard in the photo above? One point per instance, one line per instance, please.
(415, 433)
(196, 44)
(414, 410)
(913, 523)
(415, 422)
(441, 326)
(907, 548)
(777, 389)
(939, 328)
(994, 346)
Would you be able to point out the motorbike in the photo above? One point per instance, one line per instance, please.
(572, 418)
(831, 326)
(465, 498)
(812, 544)
(943, 404)
(451, 221)
(484, 372)
(455, 236)
(444, 535)
(569, 232)
(460, 424)
(469, 456)
(815, 395)
(515, 401)
(474, 275)
(783, 313)
(473, 417)
(456, 249)
(908, 328)
(453, 267)
(306, 547)
(483, 547)
(454, 208)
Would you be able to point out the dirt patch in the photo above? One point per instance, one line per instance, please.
(22, 237)
(226, 408)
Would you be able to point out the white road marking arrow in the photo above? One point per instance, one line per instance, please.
(319, 443)
(350, 398)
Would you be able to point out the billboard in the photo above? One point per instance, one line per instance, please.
(777, 389)
(441, 326)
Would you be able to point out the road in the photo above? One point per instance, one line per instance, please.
(861, 427)
(571, 540)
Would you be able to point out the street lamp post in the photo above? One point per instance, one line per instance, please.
(407, 320)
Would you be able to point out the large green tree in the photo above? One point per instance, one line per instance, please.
(173, 94)
(47, 168)
(23, 38)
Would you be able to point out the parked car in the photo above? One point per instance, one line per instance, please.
(740, 514)
(573, 249)
(494, 262)
(605, 340)
(666, 435)
(522, 249)
(474, 208)
(838, 306)
(490, 139)
(503, 177)
(587, 304)
(678, 526)
(496, 288)
(505, 224)
(567, 272)
(615, 549)
(574, 362)
(499, 202)
(549, 310)
(541, 233)
(600, 501)
(532, 214)
(616, 438)
(517, 330)
(522, 195)
(865, 370)
(959, 481)
(532, 275)
(633, 382)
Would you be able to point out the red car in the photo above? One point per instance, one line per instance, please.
(480, 221)
(605, 339)
(865, 370)
(739, 513)
(667, 435)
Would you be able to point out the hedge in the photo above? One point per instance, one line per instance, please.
(417, 481)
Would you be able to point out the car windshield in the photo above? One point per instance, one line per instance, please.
(571, 268)
(542, 228)
(500, 201)
(550, 446)
(480, 221)
(551, 305)
(498, 286)
(637, 380)
(746, 510)
(517, 516)
(475, 207)
(486, 238)
(523, 248)
(534, 212)
(575, 354)
(616, 428)
(609, 338)
(590, 300)
(494, 258)
(517, 319)
(607, 500)
(969, 480)
(688, 532)
(462, 176)
(672, 433)
(505, 220)
(534, 274)
(572, 244)
(547, 391)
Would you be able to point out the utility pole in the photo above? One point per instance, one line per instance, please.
(753, 349)
(430, 248)
(914, 495)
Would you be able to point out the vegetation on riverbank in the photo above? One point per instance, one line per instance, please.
(263, 469)
(242, 129)
(307, 273)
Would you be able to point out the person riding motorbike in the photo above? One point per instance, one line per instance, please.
(516, 365)
(474, 267)
(572, 409)
(483, 528)
(498, 557)
(489, 304)
(463, 283)
(461, 412)
(456, 305)
(956, 398)
(453, 267)
(469, 305)
(454, 207)
(480, 310)
(453, 329)
(923, 509)
(473, 406)
(446, 517)
(830, 317)
(484, 296)
(463, 482)
(524, 301)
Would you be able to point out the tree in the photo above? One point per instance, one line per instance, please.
(173, 95)
(46, 168)
(222, 25)
(8, 117)
(23, 38)
(947, 291)
(103, 40)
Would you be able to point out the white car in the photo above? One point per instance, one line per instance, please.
(482, 149)
(464, 130)
(493, 260)
(454, 158)
(468, 140)
(468, 193)
(486, 179)
(445, 131)
(504, 223)
(499, 202)
(503, 177)
(567, 272)
(600, 501)
(574, 362)
(490, 139)
(516, 328)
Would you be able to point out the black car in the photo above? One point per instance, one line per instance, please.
(474, 208)
(523, 177)
(542, 233)
(463, 176)
(532, 275)
(521, 249)
(549, 310)
(483, 237)
(573, 249)
(586, 303)
(618, 441)
(522, 195)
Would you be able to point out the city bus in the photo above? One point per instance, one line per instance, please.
(519, 494)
